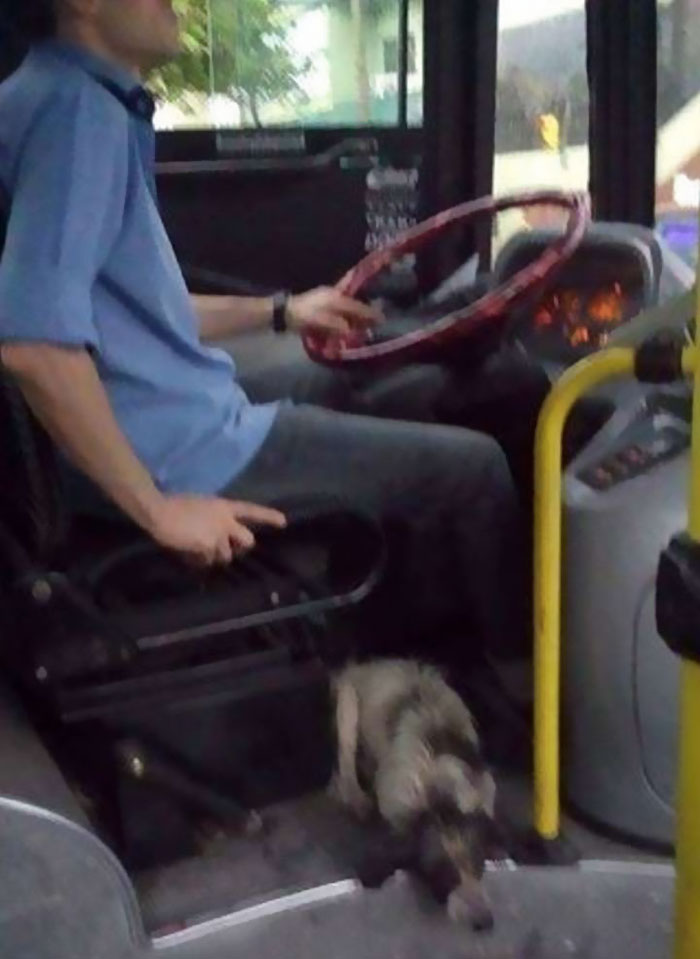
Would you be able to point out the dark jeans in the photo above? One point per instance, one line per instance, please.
(444, 493)
(500, 396)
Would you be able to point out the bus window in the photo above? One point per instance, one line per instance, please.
(541, 103)
(261, 63)
(678, 120)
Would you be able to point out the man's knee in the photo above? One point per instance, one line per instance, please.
(489, 455)
(474, 462)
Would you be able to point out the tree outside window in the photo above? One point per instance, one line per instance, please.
(277, 62)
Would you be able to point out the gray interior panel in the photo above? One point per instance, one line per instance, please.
(621, 682)
(27, 771)
(62, 895)
(657, 686)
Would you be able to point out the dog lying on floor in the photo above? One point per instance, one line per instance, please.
(408, 748)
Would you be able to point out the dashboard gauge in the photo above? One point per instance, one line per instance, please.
(582, 318)
(598, 291)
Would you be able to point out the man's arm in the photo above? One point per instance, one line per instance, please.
(322, 309)
(65, 393)
(68, 196)
(224, 316)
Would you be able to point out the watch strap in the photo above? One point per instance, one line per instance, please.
(280, 302)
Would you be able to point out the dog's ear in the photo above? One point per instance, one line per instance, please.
(389, 853)
(433, 865)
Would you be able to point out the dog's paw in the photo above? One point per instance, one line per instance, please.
(338, 790)
(350, 795)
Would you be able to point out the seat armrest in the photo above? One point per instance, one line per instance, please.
(328, 558)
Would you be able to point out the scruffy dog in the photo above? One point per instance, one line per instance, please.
(408, 748)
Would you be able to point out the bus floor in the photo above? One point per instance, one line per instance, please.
(541, 913)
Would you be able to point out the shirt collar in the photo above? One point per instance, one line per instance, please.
(118, 80)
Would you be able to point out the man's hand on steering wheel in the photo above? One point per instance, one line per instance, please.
(325, 310)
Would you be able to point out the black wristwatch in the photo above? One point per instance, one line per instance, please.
(280, 302)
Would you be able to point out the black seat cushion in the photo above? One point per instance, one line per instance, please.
(31, 502)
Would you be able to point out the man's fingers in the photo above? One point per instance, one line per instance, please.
(262, 515)
(240, 537)
(202, 558)
(224, 552)
(355, 311)
(331, 323)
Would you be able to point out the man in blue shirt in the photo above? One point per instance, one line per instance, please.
(109, 349)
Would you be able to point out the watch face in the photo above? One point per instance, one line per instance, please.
(279, 312)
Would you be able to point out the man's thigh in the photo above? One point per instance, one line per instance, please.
(409, 393)
(444, 495)
(387, 466)
(492, 395)
(288, 374)
(500, 395)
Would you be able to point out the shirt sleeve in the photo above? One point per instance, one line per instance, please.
(66, 210)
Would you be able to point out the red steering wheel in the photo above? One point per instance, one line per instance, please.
(357, 347)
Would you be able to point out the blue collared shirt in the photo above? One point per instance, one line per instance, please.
(87, 263)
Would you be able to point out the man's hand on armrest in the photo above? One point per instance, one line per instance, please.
(210, 530)
(64, 391)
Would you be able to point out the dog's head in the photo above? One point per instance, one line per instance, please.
(456, 832)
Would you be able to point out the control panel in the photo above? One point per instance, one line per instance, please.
(635, 459)
(660, 433)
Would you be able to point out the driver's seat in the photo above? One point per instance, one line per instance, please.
(145, 669)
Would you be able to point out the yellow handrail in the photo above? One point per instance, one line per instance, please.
(687, 926)
(606, 365)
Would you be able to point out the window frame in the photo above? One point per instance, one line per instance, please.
(393, 65)
(459, 154)
(622, 57)
(203, 144)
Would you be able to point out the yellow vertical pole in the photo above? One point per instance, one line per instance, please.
(548, 547)
(547, 611)
(687, 933)
(606, 365)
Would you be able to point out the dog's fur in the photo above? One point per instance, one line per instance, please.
(408, 747)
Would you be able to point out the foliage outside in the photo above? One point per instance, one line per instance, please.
(249, 59)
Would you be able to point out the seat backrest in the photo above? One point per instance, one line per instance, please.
(32, 509)
(13, 46)
(30, 506)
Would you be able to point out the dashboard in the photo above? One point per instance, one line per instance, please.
(603, 286)
(616, 274)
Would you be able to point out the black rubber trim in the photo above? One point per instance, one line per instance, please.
(678, 597)
(659, 359)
